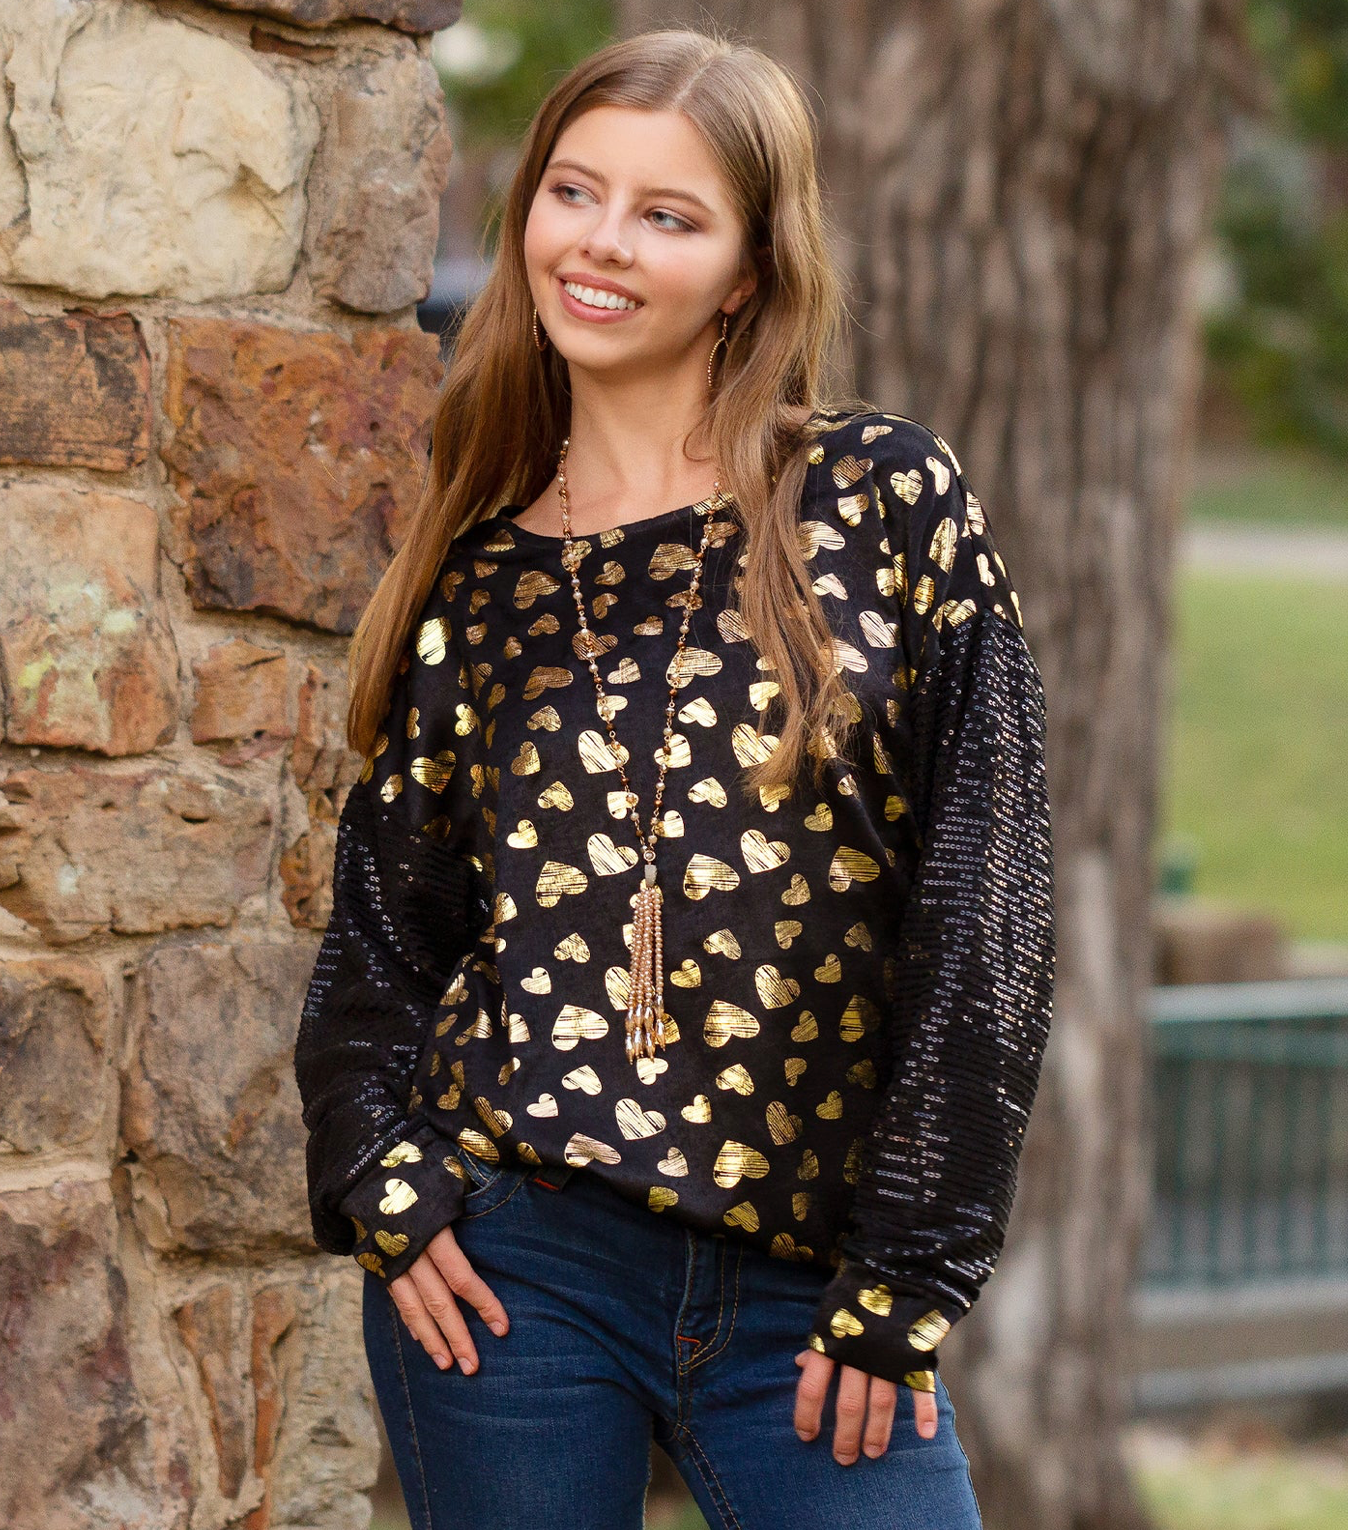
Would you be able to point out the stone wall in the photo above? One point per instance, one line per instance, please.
(215, 223)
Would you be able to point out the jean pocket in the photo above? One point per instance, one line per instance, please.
(487, 1185)
(481, 1175)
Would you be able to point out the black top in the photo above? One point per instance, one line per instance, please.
(858, 976)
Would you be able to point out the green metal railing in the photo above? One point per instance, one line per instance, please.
(1250, 1095)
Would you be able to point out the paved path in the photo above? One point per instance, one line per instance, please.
(1321, 552)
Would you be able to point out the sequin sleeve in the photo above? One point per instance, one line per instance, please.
(974, 968)
(404, 908)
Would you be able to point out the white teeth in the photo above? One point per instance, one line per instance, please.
(597, 299)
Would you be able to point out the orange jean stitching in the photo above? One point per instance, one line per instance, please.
(702, 1461)
(734, 1311)
(467, 1216)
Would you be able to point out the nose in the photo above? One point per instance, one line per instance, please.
(604, 241)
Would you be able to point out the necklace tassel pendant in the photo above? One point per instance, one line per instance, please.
(646, 1007)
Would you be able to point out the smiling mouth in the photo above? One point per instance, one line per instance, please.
(599, 308)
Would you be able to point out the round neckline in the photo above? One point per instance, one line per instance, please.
(507, 514)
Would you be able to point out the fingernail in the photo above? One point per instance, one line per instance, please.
(468, 1365)
(497, 1328)
(441, 1360)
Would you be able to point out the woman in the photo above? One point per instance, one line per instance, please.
(669, 1050)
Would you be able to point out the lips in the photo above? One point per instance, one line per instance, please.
(599, 286)
(589, 314)
(562, 284)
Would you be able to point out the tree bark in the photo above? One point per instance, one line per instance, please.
(1022, 190)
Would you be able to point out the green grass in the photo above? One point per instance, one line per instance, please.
(1256, 768)
(1263, 1492)
(1249, 485)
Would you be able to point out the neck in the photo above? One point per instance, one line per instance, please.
(637, 446)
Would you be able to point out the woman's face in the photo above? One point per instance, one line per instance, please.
(632, 199)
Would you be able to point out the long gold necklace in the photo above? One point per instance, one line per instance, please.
(645, 983)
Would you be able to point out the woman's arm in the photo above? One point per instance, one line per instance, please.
(404, 909)
(974, 967)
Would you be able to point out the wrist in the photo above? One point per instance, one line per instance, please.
(864, 1319)
(405, 1198)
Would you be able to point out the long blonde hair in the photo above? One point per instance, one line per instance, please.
(504, 407)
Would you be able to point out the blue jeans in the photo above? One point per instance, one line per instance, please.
(626, 1327)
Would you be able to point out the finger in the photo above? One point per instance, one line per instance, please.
(924, 1412)
(884, 1400)
(466, 1283)
(811, 1390)
(850, 1407)
(438, 1298)
(407, 1298)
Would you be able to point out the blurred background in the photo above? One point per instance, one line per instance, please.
(1249, 1013)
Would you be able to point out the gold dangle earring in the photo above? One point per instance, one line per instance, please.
(541, 345)
(720, 340)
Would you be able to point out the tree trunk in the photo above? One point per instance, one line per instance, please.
(1021, 190)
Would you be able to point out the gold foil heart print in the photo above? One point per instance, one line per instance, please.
(582, 1149)
(929, 1330)
(737, 1161)
(635, 1123)
(725, 1022)
(398, 1196)
(705, 873)
(878, 1299)
(699, 1112)
(774, 990)
(845, 1324)
(607, 858)
(761, 853)
(558, 880)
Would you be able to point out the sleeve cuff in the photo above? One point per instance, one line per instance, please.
(400, 1204)
(863, 1321)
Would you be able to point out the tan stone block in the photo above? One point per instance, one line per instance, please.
(320, 757)
(209, 1328)
(406, 15)
(275, 1372)
(327, 1447)
(134, 853)
(209, 1101)
(54, 1019)
(306, 867)
(85, 646)
(235, 1341)
(380, 171)
(81, 1447)
(242, 690)
(299, 457)
(276, 1311)
(145, 155)
(76, 389)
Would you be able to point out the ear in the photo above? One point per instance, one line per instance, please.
(750, 274)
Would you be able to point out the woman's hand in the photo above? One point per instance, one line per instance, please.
(424, 1295)
(862, 1399)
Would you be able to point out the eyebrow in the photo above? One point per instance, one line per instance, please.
(652, 191)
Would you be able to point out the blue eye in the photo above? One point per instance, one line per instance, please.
(682, 225)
